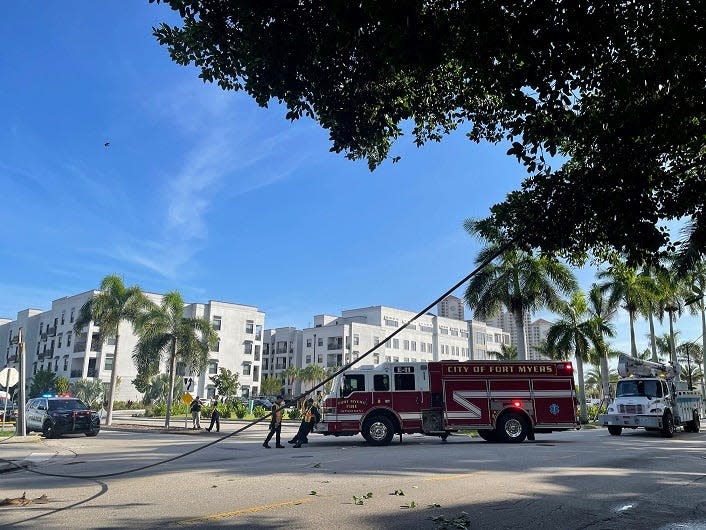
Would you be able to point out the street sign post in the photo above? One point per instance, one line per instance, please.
(186, 399)
(8, 377)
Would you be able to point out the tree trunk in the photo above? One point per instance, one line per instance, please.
(633, 344)
(605, 374)
(172, 371)
(672, 347)
(583, 415)
(113, 381)
(653, 339)
(521, 336)
(703, 350)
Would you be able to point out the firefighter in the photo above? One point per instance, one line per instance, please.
(275, 424)
(310, 418)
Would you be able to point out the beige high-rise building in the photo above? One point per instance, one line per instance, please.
(451, 307)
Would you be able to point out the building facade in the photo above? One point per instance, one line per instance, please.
(535, 331)
(52, 343)
(335, 341)
(451, 307)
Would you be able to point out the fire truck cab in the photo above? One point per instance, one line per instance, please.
(502, 401)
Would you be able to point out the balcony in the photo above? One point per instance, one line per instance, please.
(80, 346)
(47, 354)
(76, 373)
(51, 331)
(43, 336)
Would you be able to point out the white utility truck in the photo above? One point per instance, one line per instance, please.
(650, 395)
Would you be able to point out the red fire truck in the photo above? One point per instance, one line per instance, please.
(503, 401)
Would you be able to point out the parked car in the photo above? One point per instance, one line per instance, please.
(264, 403)
(8, 409)
(54, 416)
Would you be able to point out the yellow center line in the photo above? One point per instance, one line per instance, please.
(244, 511)
(453, 477)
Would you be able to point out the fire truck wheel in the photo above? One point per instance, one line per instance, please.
(667, 425)
(615, 430)
(378, 430)
(488, 435)
(512, 427)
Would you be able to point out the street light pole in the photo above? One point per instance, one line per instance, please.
(21, 424)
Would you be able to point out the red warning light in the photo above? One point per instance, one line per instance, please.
(517, 404)
(569, 367)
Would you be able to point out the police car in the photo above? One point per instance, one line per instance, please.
(54, 416)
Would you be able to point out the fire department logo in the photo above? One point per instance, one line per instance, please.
(554, 409)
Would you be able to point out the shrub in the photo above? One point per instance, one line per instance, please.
(259, 412)
(294, 414)
(239, 410)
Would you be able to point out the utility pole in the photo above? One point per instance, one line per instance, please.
(22, 398)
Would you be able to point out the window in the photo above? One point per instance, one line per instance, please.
(404, 378)
(395, 359)
(388, 358)
(258, 332)
(68, 338)
(8, 349)
(393, 323)
(320, 342)
(56, 364)
(216, 323)
(63, 316)
(249, 326)
(396, 344)
(356, 340)
(257, 352)
(255, 373)
(308, 359)
(454, 332)
(265, 363)
(245, 391)
(423, 347)
(335, 343)
(71, 319)
(246, 368)
(480, 337)
(247, 347)
(376, 341)
(430, 348)
(425, 327)
(381, 382)
(41, 329)
(464, 333)
(210, 392)
(217, 347)
(443, 330)
(61, 337)
(353, 383)
(376, 358)
(320, 359)
(308, 343)
(110, 341)
(66, 362)
(108, 362)
(406, 344)
(414, 345)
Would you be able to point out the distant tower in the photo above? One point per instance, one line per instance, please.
(451, 307)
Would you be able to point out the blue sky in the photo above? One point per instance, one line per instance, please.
(204, 192)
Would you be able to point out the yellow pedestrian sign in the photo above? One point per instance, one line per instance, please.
(187, 398)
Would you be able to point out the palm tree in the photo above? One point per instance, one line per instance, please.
(690, 358)
(87, 390)
(624, 284)
(314, 373)
(670, 294)
(108, 308)
(515, 280)
(602, 311)
(164, 331)
(292, 374)
(508, 352)
(575, 330)
(696, 282)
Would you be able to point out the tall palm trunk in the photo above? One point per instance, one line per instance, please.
(521, 336)
(653, 339)
(605, 374)
(703, 350)
(113, 381)
(172, 371)
(633, 344)
(672, 347)
(583, 415)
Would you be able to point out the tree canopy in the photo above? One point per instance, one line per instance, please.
(602, 101)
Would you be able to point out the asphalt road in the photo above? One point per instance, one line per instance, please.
(569, 480)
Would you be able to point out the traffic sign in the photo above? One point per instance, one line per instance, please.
(187, 398)
(188, 384)
(9, 377)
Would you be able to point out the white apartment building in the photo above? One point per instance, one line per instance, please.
(451, 307)
(281, 348)
(51, 343)
(335, 341)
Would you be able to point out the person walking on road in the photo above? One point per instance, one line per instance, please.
(311, 417)
(196, 412)
(275, 424)
(215, 417)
